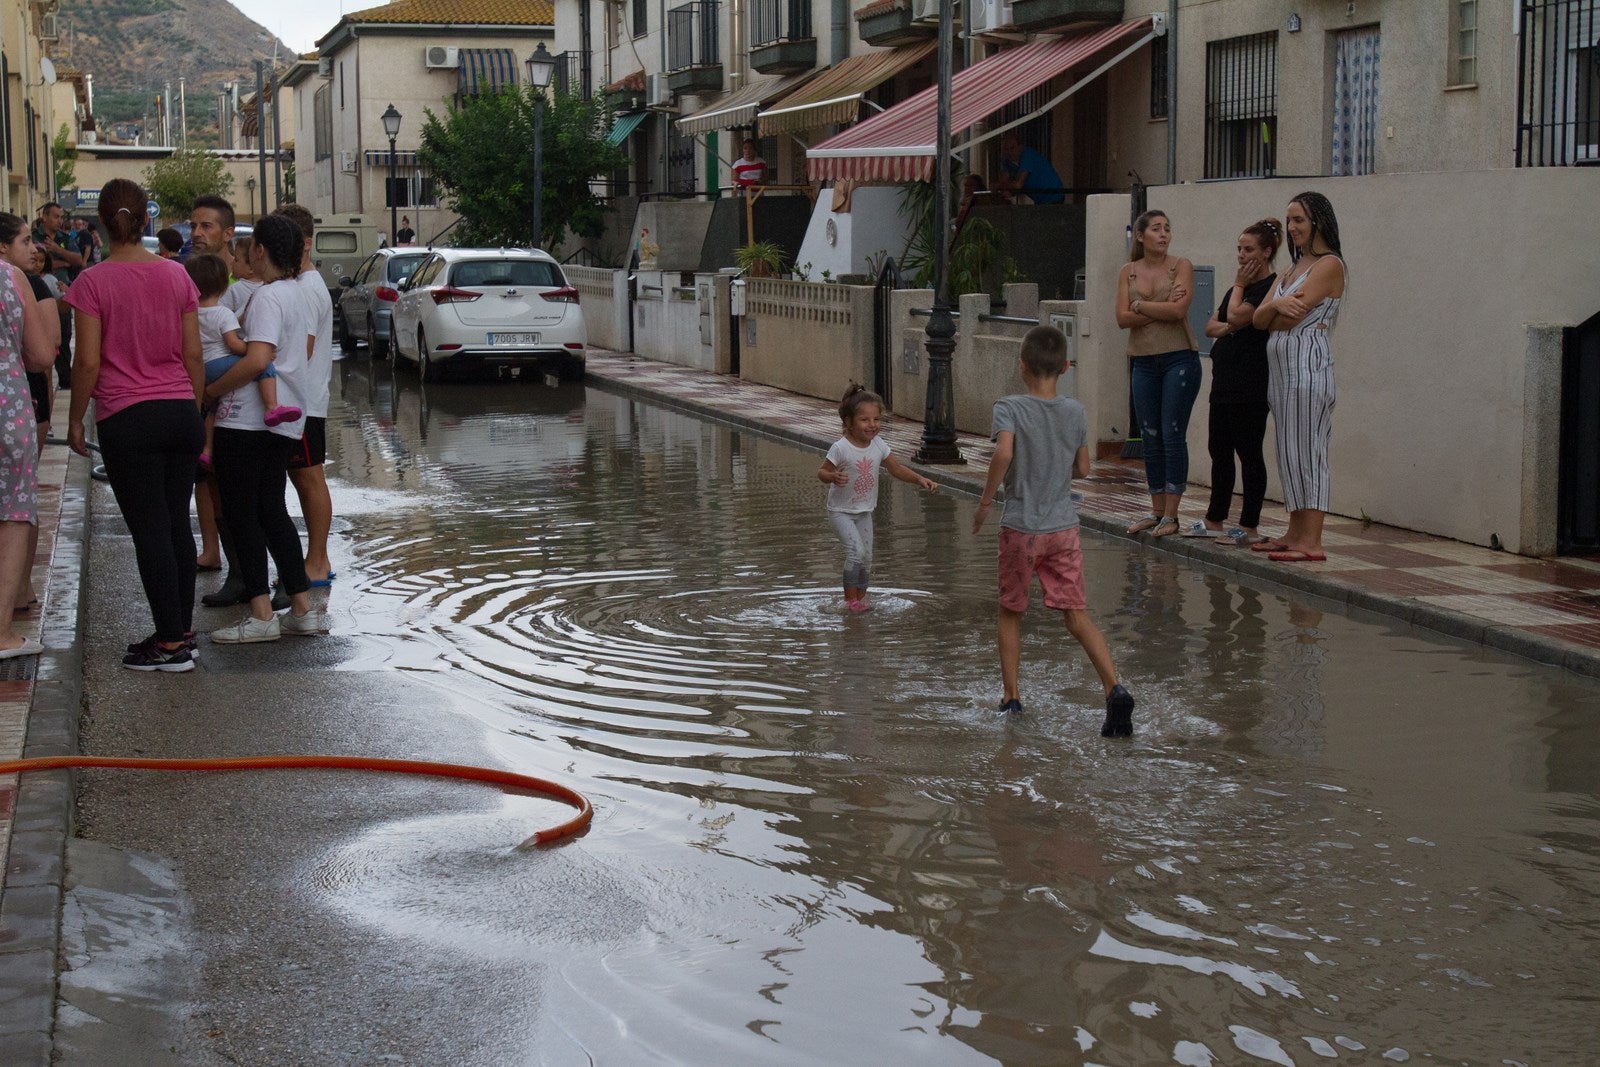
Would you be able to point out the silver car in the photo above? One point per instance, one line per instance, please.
(367, 298)
(505, 309)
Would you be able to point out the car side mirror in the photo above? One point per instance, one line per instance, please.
(346, 282)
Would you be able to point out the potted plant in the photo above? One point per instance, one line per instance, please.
(760, 259)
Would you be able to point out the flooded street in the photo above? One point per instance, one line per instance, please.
(816, 841)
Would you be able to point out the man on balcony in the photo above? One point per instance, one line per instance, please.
(749, 169)
(1025, 175)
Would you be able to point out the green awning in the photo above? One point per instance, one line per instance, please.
(624, 126)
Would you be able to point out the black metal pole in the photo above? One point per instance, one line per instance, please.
(939, 423)
(538, 169)
(394, 204)
(277, 143)
(261, 138)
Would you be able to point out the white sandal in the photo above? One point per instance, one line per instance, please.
(1200, 529)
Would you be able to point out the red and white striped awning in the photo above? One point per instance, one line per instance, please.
(897, 145)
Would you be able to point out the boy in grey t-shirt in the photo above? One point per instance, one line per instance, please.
(1039, 437)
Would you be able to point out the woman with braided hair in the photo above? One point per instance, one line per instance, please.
(1298, 318)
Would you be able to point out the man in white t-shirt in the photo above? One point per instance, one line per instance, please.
(305, 465)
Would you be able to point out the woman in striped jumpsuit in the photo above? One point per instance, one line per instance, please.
(1298, 317)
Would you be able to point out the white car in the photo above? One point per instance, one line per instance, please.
(496, 308)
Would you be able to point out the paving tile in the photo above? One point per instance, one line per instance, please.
(1406, 583)
(1391, 555)
(1483, 579)
(1586, 634)
(1573, 602)
(1503, 610)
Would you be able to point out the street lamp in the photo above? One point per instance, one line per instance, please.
(939, 415)
(250, 184)
(541, 68)
(391, 126)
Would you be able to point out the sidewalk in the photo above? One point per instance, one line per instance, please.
(1540, 609)
(39, 704)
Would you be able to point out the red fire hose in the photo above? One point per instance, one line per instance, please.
(509, 779)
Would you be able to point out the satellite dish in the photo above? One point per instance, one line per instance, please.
(47, 70)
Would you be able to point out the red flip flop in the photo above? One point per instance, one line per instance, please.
(1294, 555)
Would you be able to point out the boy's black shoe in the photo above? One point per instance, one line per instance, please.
(231, 593)
(1011, 707)
(153, 657)
(190, 642)
(1119, 713)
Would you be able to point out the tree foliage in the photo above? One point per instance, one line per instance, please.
(189, 173)
(480, 153)
(66, 154)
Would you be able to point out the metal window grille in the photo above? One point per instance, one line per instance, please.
(779, 20)
(1558, 83)
(1158, 77)
(1037, 132)
(569, 73)
(415, 189)
(1464, 64)
(33, 152)
(641, 17)
(1242, 106)
(680, 162)
(692, 35)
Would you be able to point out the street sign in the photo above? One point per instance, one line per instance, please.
(152, 208)
(86, 198)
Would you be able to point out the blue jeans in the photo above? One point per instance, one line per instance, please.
(216, 368)
(1164, 388)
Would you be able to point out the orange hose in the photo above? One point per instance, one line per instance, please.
(510, 779)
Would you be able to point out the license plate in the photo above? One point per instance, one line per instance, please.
(513, 338)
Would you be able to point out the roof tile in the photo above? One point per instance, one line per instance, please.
(462, 12)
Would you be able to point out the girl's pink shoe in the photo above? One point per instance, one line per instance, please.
(282, 413)
(857, 606)
(205, 461)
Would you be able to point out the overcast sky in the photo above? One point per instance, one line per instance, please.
(300, 22)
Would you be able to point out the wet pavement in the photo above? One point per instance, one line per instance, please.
(1336, 834)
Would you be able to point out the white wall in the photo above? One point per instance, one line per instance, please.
(872, 224)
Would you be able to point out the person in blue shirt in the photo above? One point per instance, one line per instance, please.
(1024, 170)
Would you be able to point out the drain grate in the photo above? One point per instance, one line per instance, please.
(20, 669)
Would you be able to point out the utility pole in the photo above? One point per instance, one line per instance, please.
(183, 112)
(166, 113)
(261, 138)
(277, 148)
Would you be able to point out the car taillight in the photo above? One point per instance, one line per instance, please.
(383, 292)
(449, 294)
(565, 295)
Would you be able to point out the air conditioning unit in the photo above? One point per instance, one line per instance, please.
(925, 10)
(324, 66)
(989, 16)
(347, 161)
(657, 94)
(441, 57)
(47, 27)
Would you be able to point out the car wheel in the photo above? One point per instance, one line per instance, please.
(347, 340)
(377, 346)
(427, 370)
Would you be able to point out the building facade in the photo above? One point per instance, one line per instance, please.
(417, 56)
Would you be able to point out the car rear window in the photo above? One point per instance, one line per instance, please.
(336, 242)
(507, 272)
(400, 267)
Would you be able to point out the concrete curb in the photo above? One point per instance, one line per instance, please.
(31, 900)
(1198, 551)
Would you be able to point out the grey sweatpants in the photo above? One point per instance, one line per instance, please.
(854, 529)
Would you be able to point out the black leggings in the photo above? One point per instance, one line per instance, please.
(1237, 428)
(150, 450)
(252, 474)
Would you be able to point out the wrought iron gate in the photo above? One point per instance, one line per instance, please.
(1578, 501)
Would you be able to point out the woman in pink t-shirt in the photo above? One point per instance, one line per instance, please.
(138, 357)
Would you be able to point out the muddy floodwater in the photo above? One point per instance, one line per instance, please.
(1332, 838)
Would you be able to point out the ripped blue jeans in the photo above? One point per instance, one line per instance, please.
(1164, 389)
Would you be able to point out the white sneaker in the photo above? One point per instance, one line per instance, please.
(310, 624)
(248, 630)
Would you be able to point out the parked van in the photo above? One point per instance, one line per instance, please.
(342, 243)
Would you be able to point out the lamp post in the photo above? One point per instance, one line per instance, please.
(939, 422)
(391, 126)
(250, 184)
(541, 68)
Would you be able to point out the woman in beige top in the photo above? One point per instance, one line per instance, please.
(1153, 294)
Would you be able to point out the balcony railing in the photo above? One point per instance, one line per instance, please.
(692, 36)
(779, 20)
(569, 74)
(1558, 82)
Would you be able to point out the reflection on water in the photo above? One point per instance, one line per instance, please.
(816, 840)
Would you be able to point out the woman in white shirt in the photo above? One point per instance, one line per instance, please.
(251, 459)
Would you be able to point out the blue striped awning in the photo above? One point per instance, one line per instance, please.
(379, 157)
(486, 70)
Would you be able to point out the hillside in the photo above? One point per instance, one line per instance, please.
(132, 47)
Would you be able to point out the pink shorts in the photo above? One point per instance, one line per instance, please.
(1057, 558)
